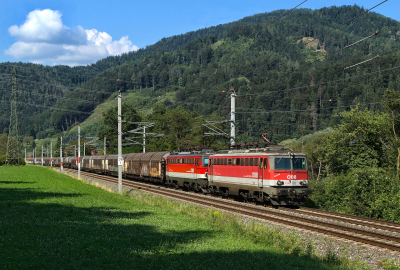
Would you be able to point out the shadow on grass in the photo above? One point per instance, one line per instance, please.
(56, 236)
(16, 182)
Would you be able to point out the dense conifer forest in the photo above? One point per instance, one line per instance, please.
(289, 75)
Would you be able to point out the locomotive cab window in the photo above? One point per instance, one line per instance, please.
(229, 161)
(238, 162)
(205, 162)
(299, 164)
(246, 162)
(282, 163)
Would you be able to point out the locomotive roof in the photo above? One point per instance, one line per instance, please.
(190, 154)
(275, 149)
(203, 152)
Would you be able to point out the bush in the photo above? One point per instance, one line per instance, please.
(3, 160)
(20, 161)
(370, 192)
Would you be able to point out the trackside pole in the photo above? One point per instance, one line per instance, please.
(42, 154)
(120, 161)
(233, 95)
(51, 154)
(105, 149)
(144, 138)
(79, 150)
(61, 156)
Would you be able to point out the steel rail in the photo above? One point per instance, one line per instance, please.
(362, 221)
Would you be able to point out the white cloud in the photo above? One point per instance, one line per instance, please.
(43, 38)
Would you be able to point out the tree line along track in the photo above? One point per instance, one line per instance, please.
(287, 216)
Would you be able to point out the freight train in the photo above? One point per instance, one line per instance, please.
(270, 175)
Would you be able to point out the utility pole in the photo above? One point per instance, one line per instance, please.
(120, 160)
(51, 154)
(12, 141)
(34, 156)
(61, 156)
(25, 155)
(84, 148)
(144, 139)
(105, 145)
(75, 150)
(79, 150)
(233, 131)
(42, 154)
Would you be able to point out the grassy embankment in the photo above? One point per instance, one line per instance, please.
(49, 220)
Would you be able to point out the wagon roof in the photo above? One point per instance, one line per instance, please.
(99, 157)
(153, 156)
(115, 156)
(134, 156)
(158, 156)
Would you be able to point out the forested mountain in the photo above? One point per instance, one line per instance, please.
(290, 77)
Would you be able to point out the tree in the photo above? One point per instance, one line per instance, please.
(362, 140)
(391, 100)
(3, 144)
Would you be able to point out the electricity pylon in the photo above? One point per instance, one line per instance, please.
(12, 142)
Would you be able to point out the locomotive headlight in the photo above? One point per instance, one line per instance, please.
(279, 182)
(301, 183)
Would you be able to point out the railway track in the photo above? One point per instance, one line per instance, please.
(328, 223)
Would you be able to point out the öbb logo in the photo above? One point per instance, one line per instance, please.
(291, 177)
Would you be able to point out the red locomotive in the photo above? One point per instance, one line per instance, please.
(188, 170)
(272, 174)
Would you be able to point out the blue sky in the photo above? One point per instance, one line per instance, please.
(81, 32)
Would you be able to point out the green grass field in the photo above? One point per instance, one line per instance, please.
(52, 221)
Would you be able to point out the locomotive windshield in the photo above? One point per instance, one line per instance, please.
(205, 162)
(282, 163)
(299, 164)
(286, 163)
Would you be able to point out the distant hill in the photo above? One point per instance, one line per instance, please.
(279, 78)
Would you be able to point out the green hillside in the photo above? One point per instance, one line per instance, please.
(290, 77)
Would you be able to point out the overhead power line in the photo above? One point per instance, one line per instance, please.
(304, 44)
(322, 83)
(54, 108)
(209, 59)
